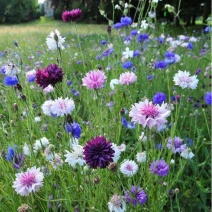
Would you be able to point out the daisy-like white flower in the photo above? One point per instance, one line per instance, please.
(187, 153)
(117, 204)
(76, 156)
(62, 106)
(26, 149)
(46, 107)
(141, 157)
(148, 114)
(117, 153)
(11, 69)
(184, 80)
(29, 181)
(129, 168)
(144, 24)
(128, 53)
(127, 78)
(54, 41)
(39, 144)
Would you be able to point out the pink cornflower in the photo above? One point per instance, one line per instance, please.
(148, 114)
(127, 78)
(72, 15)
(62, 107)
(184, 80)
(94, 79)
(28, 181)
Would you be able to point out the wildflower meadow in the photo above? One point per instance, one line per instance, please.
(112, 121)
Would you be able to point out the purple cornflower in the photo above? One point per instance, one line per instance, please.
(72, 15)
(74, 129)
(75, 92)
(127, 65)
(125, 21)
(159, 167)
(103, 42)
(135, 196)
(107, 52)
(142, 37)
(51, 75)
(198, 71)
(176, 145)
(159, 98)
(10, 80)
(98, 152)
(208, 98)
(160, 64)
(128, 125)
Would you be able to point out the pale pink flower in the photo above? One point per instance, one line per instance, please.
(184, 80)
(48, 89)
(148, 114)
(129, 168)
(46, 107)
(62, 106)
(28, 181)
(127, 78)
(94, 79)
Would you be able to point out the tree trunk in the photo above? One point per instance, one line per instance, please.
(207, 11)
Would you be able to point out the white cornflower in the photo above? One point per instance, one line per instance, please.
(184, 80)
(26, 149)
(141, 157)
(129, 168)
(37, 119)
(46, 107)
(128, 53)
(144, 25)
(48, 89)
(117, 153)
(117, 7)
(113, 82)
(56, 162)
(152, 14)
(55, 41)
(11, 69)
(117, 204)
(43, 142)
(187, 154)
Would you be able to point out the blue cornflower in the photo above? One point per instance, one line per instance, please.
(75, 92)
(134, 32)
(160, 64)
(136, 53)
(3, 70)
(169, 57)
(208, 98)
(160, 40)
(15, 43)
(117, 26)
(108, 52)
(103, 42)
(207, 29)
(125, 21)
(158, 146)
(142, 37)
(128, 125)
(10, 80)
(79, 62)
(188, 142)
(74, 129)
(190, 45)
(10, 153)
(159, 98)
(127, 65)
(150, 77)
(68, 82)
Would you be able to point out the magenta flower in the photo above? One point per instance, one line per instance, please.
(94, 79)
(159, 167)
(28, 181)
(51, 75)
(127, 78)
(72, 15)
(148, 114)
(98, 152)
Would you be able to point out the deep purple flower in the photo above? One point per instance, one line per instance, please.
(198, 71)
(125, 21)
(74, 129)
(160, 64)
(159, 167)
(18, 161)
(176, 145)
(126, 124)
(10, 80)
(51, 75)
(159, 98)
(98, 152)
(142, 37)
(136, 196)
(127, 65)
(72, 15)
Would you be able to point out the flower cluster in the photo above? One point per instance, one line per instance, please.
(72, 15)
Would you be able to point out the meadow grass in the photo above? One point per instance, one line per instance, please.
(101, 112)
